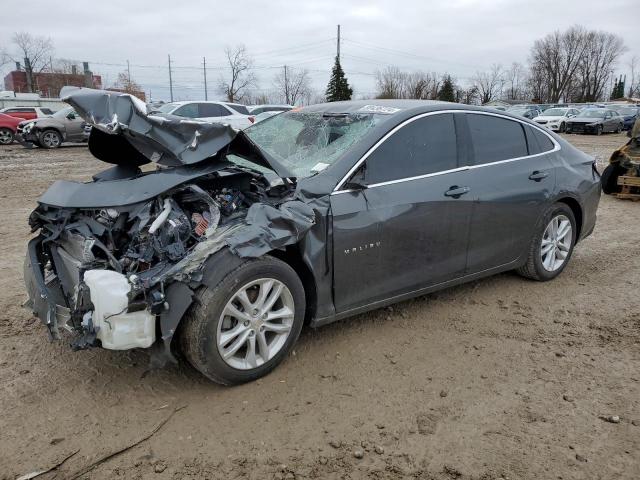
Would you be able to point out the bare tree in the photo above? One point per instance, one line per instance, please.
(125, 84)
(419, 85)
(240, 78)
(489, 84)
(597, 65)
(292, 85)
(390, 83)
(515, 78)
(556, 58)
(34, 51)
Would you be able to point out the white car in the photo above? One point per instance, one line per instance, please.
(233, 114)
(556, 118)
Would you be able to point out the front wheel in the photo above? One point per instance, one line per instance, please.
(244, 327)
(619, 129)
(562, 128)
(50, 139)
(599, 130)
(6, 136)
(552, 246)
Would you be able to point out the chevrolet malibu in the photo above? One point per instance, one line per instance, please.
(237, 239)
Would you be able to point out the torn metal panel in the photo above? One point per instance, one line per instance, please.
(267, 228)
(125, 133)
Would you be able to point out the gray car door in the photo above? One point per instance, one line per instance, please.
(408, 228)
(74, 126)
(511, 181)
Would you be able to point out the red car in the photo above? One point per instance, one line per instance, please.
(8, 126)
(27, 113)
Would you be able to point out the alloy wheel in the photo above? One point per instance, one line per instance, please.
(255, 323)
(6, 136)
(556, 243)
(50, 139)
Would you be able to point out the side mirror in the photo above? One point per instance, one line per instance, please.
(71, 116)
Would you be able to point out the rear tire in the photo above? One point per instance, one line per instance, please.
(209, 332)
(609, 178)
(6, 136)
(557, 250)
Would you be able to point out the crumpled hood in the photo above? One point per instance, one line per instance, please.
(124, 133)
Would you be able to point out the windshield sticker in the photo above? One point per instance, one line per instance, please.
(379, 109)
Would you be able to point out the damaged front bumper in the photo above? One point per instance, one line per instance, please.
(102, 312)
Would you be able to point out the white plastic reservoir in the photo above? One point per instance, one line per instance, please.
(117, 330)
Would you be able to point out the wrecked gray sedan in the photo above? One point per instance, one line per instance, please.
(236, 239)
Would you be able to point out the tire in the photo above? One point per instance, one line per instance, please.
(534, 267)
(619, 129)
(205, 324)
(609, 179)
(562, 128)
(6, 136)
(599, 130)
(50, 138)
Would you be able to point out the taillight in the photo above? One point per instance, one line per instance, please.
(252, 119)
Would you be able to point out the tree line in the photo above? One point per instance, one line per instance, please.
(575, 65)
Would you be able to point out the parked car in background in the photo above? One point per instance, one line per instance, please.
(629, 113)
(556, 118)
(325, 213)
(258, 109)
(233, 114)
(8, 128)
(27, 113)
(264, 115)
(50, 132)
(596, 121)
(526, 111)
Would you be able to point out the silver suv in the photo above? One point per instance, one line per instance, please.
(49, 132)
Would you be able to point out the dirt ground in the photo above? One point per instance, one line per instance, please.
(500, 378)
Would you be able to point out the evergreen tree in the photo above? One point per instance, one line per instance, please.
(447, 91)
(338, 88)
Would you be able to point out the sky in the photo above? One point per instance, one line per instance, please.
(455, 36)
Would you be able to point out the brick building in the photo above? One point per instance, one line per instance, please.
(48, 84)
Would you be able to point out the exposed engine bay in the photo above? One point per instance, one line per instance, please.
(96, 258)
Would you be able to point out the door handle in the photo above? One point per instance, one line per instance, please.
(538, 175)
(456, 191)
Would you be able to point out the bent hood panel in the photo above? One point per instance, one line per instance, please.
(121, 192)
(124, 133)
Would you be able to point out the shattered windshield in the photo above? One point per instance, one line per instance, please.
(307, 143)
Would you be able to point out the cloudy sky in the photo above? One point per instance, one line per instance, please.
(456, 36)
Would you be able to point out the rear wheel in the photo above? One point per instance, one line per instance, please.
(619, 128)
(6, 136)
(50, 139)
(609, 178)
(244, 327)
(552, 246)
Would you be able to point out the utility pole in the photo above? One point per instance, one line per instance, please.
(338, 52)
(128, 72)
(204, 70)
(286, 87)
(170, 79)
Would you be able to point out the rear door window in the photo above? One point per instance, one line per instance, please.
(426, 145)
(212, 110)
(538, 141)
(189, 110)
(495, 138)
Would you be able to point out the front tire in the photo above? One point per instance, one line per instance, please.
(6, 136)
(552, 246)
(50, 139)
(599, 130)
(562, 128)
(246, 325)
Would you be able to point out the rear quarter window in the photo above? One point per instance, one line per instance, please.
(538, 141)
(239, 108)
(495, 138)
